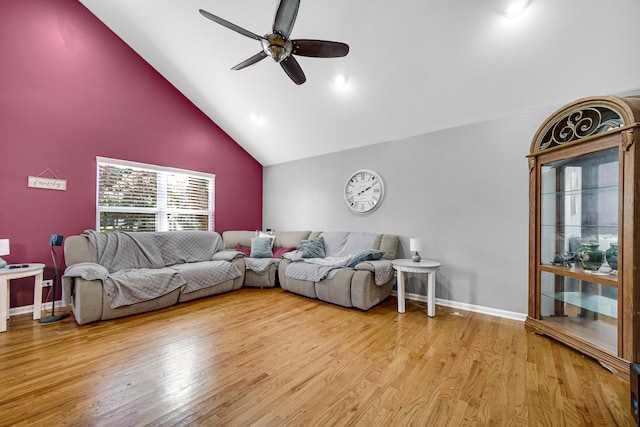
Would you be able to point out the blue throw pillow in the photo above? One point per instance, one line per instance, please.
(261, 247)
(366, 255)
(313, 248)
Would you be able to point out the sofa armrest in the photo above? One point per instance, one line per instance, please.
(76, 250)
(282, 266)
(389, 245)
(365, 266)
(86, 300)
(227, 255)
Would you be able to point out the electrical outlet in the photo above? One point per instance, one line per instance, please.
(47, 283)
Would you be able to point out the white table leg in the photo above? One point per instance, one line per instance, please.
(431, 300)
(4, 303)
(37, 297)
(400, 292)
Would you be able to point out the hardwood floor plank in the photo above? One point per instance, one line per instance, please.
(266, 357)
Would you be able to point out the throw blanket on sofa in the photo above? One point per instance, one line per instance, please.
(124, 250)
(124, 287)
(310, 272)
(136, 267)
(83, 270)
(346, 243)
(200, 275)
(313, 272)
(383, 271)
(259, 265)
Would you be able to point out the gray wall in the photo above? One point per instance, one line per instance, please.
(463, 190)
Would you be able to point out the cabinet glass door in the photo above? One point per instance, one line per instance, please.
(578, 224)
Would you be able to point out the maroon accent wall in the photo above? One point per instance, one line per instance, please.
(71, 90)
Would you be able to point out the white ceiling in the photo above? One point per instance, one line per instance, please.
(414, 66)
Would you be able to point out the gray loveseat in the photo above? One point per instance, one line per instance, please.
(118, 274)
(327, 276)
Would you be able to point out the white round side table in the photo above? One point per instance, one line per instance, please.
(424, 266)
(6, 275)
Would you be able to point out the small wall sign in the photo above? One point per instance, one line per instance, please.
(47, 183)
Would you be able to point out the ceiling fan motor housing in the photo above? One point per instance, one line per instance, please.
(276, 46)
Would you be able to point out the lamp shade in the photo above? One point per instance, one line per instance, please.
(4, 247)
(415, 245)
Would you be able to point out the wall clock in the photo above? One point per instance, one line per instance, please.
(363, 191)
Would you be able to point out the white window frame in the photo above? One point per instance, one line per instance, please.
(161, 210)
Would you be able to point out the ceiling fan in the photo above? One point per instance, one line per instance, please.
(278, 46)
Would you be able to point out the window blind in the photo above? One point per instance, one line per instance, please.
(139, 197)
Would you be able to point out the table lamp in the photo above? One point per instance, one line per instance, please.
(415, 245)
(4, 250)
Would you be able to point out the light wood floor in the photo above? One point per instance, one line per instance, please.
(267, 357)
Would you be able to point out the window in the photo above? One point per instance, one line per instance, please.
(139, 197)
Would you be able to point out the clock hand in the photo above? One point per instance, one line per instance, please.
(365, 190)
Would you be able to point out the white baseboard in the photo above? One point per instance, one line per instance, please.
(29, 308)
(468, 307)
(415, 297)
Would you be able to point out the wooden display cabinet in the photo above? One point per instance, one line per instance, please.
(584, 189)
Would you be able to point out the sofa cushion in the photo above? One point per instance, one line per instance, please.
(344, 243)
(233, 238)
(278, 252)
(124, 250)
(244, 249)
(290, 239)
(283, 239)
(179, 247)
(365, 255)
(261, 247)
(389, 245)
(312, 248)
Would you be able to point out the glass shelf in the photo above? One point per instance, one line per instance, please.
(605, 189)
(582, 303)
(601, 277)
(595, 303)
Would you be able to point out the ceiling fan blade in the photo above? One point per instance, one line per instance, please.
(293, 70)
(285, 17)
(255, 58)
(229, 25)
(320, 48)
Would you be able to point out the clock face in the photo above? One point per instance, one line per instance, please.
(363, 191)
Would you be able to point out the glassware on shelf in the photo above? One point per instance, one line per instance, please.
(590, 255)
(612, 256)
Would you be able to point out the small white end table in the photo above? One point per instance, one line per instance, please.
(427, 267)
(6, 275)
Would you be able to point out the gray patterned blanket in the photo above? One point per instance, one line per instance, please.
(123, 250)
(136, 267)
(259, 265)
(311, 272)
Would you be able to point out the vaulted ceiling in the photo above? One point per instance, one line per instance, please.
(414, 66)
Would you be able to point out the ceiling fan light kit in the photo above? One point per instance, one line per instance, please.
(279, 47)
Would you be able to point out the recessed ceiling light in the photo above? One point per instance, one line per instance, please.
(341, 80)
(255, 116)
(516, 8)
